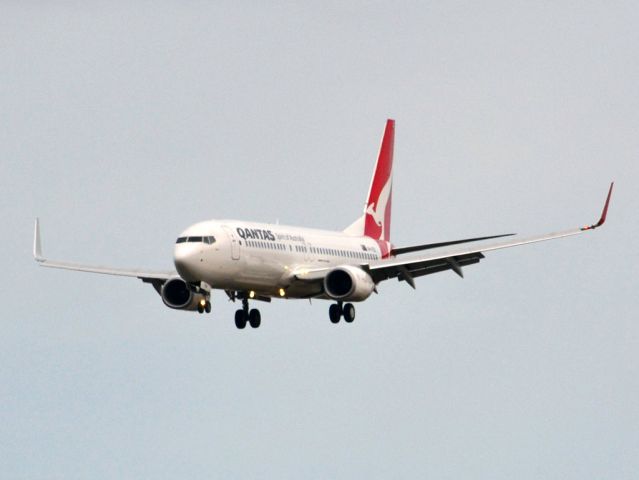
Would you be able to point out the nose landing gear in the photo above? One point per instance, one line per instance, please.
(204, 306)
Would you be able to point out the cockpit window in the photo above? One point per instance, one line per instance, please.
(209, 240)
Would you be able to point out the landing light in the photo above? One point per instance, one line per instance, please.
(203, 302)
(282, 292)
(251, 294)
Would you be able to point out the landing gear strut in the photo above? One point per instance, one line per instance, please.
(338, 310)
(244, 316)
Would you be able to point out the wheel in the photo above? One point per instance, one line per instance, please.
(349, 312)
(240, 319)
(255, 318)
(200, 308)
(334, 313)
(207, 307)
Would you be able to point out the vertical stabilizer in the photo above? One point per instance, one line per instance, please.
(377, 213)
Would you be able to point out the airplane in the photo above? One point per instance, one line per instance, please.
(253, 261)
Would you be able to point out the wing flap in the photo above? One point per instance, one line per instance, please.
(419, 268)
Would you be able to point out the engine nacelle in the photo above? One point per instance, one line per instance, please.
(177, 294)
(348, 283)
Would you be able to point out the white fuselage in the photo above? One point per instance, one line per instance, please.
(262, 258)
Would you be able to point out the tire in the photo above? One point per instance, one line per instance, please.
(240, 319)
(255, 318)
(200, 308)
(349, 312)
(334, 313)
(207, 307)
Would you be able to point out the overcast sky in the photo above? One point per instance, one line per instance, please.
(121, 125)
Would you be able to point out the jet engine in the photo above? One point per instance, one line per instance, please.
(177, 294)
(348, 283)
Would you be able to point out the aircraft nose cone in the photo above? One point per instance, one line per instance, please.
(186, 261)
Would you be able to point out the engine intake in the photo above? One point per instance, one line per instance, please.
(177, 294)
(348, 283)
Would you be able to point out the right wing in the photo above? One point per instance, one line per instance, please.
(153, 277)
(454, 259)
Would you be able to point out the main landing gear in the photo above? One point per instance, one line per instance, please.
(244, 316)
(338, 310)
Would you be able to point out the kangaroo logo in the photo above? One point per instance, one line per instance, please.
(379, 210)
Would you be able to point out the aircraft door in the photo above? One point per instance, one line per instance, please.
(235, 244)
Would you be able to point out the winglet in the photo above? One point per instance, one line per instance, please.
(604, 213)
(37, 245)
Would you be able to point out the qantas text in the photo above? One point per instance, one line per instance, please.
(255, 233)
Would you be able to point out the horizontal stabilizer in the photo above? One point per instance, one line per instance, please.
(428, 246)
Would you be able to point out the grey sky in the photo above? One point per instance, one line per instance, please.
(121, 125)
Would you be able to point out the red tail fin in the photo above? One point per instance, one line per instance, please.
(377, 216)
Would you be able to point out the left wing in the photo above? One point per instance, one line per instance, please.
(454, 259)
(148, 276)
